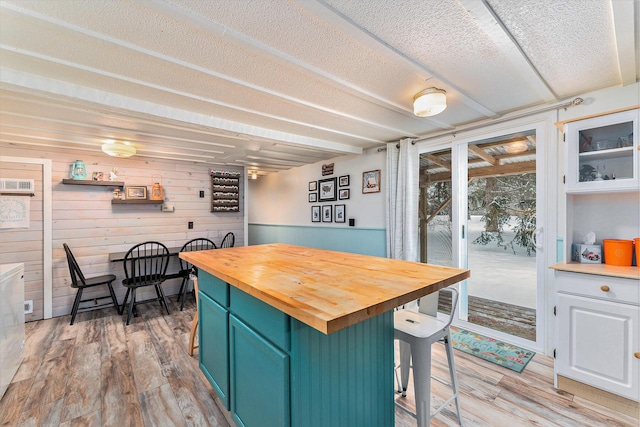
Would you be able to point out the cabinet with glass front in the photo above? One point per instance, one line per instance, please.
(602, 153)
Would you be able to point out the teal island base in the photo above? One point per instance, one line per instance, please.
(270, 369)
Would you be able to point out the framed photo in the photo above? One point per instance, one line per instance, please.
(340, 213)
(343, 194)
(343, 181)
(135, 192)
(371, 181)
(313, 197)
(313, 185)
(315, 213)
(327, 190)
(326, 213)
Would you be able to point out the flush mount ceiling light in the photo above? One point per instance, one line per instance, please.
(119, 149)
(254, 174)
(516, 147)
(429, 102)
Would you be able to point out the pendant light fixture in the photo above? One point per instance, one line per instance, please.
(429, 102)
(119, 149)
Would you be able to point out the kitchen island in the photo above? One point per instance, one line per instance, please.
(298, 336)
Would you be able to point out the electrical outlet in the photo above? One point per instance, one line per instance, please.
(190, 225)
(28, 306)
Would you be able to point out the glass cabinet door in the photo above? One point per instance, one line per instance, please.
(602, 153)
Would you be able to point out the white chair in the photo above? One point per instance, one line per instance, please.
(417, 331)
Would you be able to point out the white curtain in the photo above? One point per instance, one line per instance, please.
(403, 168)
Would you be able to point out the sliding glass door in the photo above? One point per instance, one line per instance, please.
(479, 208)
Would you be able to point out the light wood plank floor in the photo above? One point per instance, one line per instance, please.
(100, 372)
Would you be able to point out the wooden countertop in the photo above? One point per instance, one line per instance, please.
(599, 269)
(326, 290)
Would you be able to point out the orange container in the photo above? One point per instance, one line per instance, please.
(618, 252)
(637, 242)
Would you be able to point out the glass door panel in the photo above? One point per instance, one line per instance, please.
(501, 222)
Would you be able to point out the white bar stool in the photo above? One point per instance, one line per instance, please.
(417, 331)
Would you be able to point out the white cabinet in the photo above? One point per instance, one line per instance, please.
(601, 153)
(11, 322)
(599, 335)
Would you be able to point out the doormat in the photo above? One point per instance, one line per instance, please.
(491, 350)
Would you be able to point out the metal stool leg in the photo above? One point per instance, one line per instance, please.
(452, 372)
(421, 356)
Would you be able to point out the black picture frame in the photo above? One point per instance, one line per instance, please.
(313, 197)
(343, 194)
(327, 190)
(315, 213)
(340, 213)
(327, 213)
(313, 185)
(343, 181)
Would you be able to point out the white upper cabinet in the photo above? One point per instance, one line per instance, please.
(602, 153)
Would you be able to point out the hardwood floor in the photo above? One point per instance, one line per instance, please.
(100, 372)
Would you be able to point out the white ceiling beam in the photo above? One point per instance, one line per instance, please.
(282, 58)
(224, 33)
(624, 16)
(493, 27)
(44, 85)
(326, 12)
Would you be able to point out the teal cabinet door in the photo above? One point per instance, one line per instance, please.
(259, 379)
(214, 345)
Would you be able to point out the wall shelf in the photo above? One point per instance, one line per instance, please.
(95, 183)
(136, 202)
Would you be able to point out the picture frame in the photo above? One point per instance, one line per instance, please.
(313, 185)
(315, 213)
(135, 192)
(313, 197)
(340, 213)
(97, 176)
(327, 190)
(327, 213)
(343, 181)
(371, 181)
(343, 194)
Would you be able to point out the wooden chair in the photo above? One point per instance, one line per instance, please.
(194, 322)
(81, 283)
(186, 269)
(228, 241)
(145, 264)
(417, 331)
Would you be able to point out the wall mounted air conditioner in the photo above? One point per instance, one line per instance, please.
(16, 185)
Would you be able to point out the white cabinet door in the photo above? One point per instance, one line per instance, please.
(601, 153)
(596, 344)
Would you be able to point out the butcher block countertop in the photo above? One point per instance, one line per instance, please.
(599, 269)
(326, 290)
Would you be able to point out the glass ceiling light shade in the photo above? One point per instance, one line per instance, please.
(516, 147)
(429, 102)
(119, 149)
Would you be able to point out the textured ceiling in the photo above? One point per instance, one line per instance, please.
(273, 84)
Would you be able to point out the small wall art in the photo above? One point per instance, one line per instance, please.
(343, 181)
(315, 213)
(371, 181)
(343, 194)
(136, 192)
(340, 213)
(313, 185)
(327, 213)
(313, 197)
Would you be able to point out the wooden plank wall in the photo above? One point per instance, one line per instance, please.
(25, 244)
(85, 219)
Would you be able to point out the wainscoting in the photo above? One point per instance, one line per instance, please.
(365, 241)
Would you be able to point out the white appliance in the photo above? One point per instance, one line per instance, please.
(11, 322)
